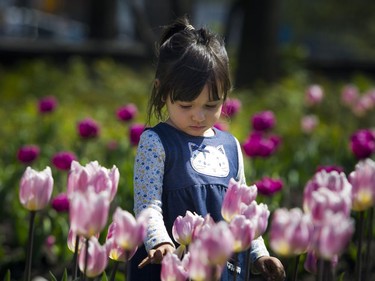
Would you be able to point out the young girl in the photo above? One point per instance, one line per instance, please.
(184, 162)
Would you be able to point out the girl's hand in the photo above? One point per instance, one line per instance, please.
(155, 255)
(271, 268)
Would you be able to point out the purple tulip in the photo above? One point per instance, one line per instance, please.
(28, 153)
(135, 132)
(330, 168)
(269, 186)
(173, 269)
(314, 95)
(258, 145)
(47, 104)
(97, 259)
(231, 107)
(363, 185)
(88, 128)
(127, 113)
(129, 232)
(60, 203)
(184, 227)
(263, 121)
(63, 160)
(290, 232)
(88, 213)
(93, 176)
(36, 188)
(362, 143)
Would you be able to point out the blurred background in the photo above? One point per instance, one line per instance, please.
(310, 63)
(264, 37)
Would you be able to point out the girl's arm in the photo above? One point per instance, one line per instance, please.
(148, 185)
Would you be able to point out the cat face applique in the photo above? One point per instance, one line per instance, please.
(209, 160)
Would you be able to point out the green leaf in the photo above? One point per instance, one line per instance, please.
(104, 277)
(65, 275)
(53, 278)
(7, 276)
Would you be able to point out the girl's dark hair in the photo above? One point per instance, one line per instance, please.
(188, 59)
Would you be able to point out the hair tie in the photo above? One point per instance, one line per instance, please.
(189, 27)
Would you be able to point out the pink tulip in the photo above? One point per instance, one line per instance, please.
(235, 196)
(332, 235)
(197, 268)
(349, 95)
(309, 123)
(290, 232)
(71, 241)
(243, 233)
(129, 232)
(28, 153)
(258, 214)
(362, 143)
(260, 145)
(36, 188)
(172, 269)
(334, 181)
(363, 185)
(93, 175)
(184, 227)
(88, 213)
(127, 113)
(314, 95)
(97, 258)
(115, 251)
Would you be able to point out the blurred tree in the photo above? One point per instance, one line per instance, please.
(257, 50)
(102, 19)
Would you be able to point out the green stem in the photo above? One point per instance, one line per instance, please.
(296, 262)
(359, 247)
(370, 220)
(30, 246)
(75, 258)
(86, 259)
(114, 270)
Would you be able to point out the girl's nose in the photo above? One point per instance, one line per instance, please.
(199, 115)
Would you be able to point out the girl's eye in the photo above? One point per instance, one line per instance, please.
(185, 106)
(212, 105)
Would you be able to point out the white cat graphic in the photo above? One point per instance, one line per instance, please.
(209, 160)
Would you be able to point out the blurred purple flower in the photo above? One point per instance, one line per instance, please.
(309, 123)
(362, 143)
(314, 95)
(269, 186)
(60, 203)
(349, 95)
(263, 121)
(258, 145)
(47, 104)
(231, 107)
(330, 168)
(135, 132)
(88, 128)
(127, 113)
(28, 153)
(63, 159)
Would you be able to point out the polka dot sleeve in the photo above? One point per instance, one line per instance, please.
(148, 184)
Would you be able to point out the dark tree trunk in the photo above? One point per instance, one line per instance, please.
(102, 19)
(257, 54)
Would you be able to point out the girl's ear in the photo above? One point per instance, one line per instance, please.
(156, 83)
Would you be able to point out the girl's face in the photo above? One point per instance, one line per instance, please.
(195, 117)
